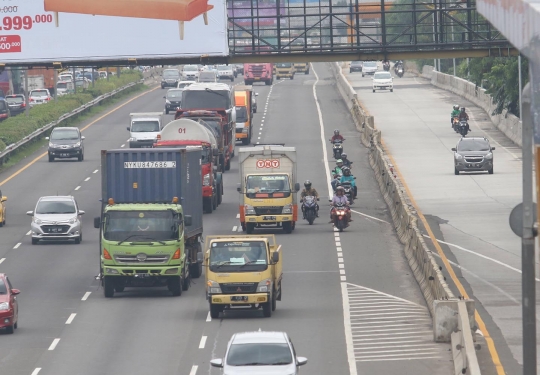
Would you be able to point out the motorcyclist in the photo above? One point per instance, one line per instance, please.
(309, 191)
(337, 137)
(397, 65)
(346, 162)
(338, 169)
(348, 177)
(463, 116)
(340, 199)
(455, 113)
(386, 65)
(335, 181)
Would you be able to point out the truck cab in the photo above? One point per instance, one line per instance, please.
(258, 73)
(284, 70)
(243, 100)
(243, 271)
(301, 67)
(144, 128)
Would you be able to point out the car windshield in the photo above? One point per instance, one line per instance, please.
(61, 85)
(176, 94)
(65, 77)
(223, 67)
(264, 185)
(145, 126)
(284, 65)
(67, 134)
(190, 68)
(3, 288)
(241, 114)
(141, 226)
(208, 99)
(370, 64)
(382, 75)
(241, 256)
(473, 145)
(55, 207)
(356, 63)
(255, 354)
(209, 76)
(14, 99)
(182, 85)
(171, 74)
(39, 93)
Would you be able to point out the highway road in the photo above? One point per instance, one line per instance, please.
(468, 213)
(350, 303)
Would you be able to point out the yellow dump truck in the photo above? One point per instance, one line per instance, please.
(301, 68)
(243, 271)
(284, 70)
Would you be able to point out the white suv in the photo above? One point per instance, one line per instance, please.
(190, 73)
(383, 81)
(226, 71)
(39, 96)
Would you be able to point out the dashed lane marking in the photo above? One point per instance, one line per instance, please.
(238, 216)
(86, 295)
(208, 317)
(36, 371)
(77, 188)
(96, 171)
(2, 260)
(122, 145)
(53, 344)
(17, 246)
(29, 232)
(71, 317)
(194, 370)
(86, 179)
(234, 228)
(203, 342)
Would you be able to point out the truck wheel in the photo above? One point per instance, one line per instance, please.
(287, 227)
(274, 295)
(207, 205)
(220, 192)
(267, 309)
(214, 311)
(245, 141)
(174, 284)
(249, 228)
(108, 286)
(186, 280)
(214, 201)
(195, 270)
(228, 165)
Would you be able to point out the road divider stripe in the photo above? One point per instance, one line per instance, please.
(53, 344)
(86, 179)
(208, 317)
(17, 246)
(203, 342)
(29, 233)
(36, 371)
(2, 260)
(96, 171)
(70, 319)
(234, 228)
(77, 188)
(86, 295)
(194, 369)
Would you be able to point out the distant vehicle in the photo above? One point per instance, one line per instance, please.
(184, 84)
(356, 66)
(65, 77)
(301, 67)
(173, 99)
(383, 81)
(16, 103)
(91, 76)
(144, 129)
(103, 74)
(81, 83)
(239, 69)
(66, 143)
(260, 353)
(284, 70)
(3, 200)
(369, 67)
(208, 77)
(64, 87)
(4, 109)
(258, 73)
(226, 71)
(9, 307)
(39, 96)
(170, 78)
(473, 154)
(190, 73)
(56, 218)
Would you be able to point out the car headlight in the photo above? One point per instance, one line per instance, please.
(4, 306)
(167, 101)
(249, 210)
(37, 221)
(459, 157)
(78, 144)
(52, 145)
(73, 220)
(264, 286)
(206, 179)
(213, 287)
(489, 156)
(287, 209)
(133, 139)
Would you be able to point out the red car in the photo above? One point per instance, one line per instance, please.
(9, 308)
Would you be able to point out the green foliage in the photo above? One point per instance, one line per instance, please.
(16, 128)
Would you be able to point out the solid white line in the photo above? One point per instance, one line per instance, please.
(208, 317)
(87, 178)
(428, 350)
(348, 331)
(194, 370)
(2, 260)
(77, 188)
(389, 325)
(409, 310)
(203, 342)
(362, 330)
(17, 246)
(234, 228)
(343, 278)
(70, 319)
(96, 171)
(358, 287)
(393, 355)
(427, 332)
(419, 342)
(370, 217)
(86, 295)
(36, 371)
(54, 343)
(405, 313)
(29, 232)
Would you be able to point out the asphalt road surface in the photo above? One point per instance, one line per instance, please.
(350, 302)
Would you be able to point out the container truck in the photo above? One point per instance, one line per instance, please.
(268, 187)
(243, 100)
(151, 221)
(186, 133)
(259, 73)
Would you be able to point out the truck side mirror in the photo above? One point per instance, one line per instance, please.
(128, 128)
(187, 220)
(97, 222)
(297, 187)
(453, 149)
(493, 148)
(275, 257)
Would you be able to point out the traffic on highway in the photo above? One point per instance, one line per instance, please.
(233, 225)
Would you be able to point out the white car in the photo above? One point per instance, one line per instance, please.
(369, 67)
(208, 76)
(65, 77)
(383, 81)
(226, 71)
(184, 84)
(39, 96)
(190, 73)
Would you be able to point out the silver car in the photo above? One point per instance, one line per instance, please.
(268, 353)
(56, 218)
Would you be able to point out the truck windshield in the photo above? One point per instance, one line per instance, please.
(144, 126)
(241, 114)
(284, 65)
(142, 225)
(197, 99)
(276, 186)
(242, 256)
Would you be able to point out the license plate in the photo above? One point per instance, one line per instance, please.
(269, 218)
(142, 275)
(64, 155)
(239, 298)
(256, 79)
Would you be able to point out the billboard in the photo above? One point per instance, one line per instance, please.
(93, 30)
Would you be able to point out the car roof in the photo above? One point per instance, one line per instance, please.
(473, 139)
(260, 337)
(57, 198)
(204, 86)
(66, 127)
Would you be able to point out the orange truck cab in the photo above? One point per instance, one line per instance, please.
(244, 113)
(186, 133)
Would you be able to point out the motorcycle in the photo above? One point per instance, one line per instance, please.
(309, 207)
(339, 215)
(349, 191)
(463, 128)
(386, 66)
(400, 72)
(337, 149)
(455, 124)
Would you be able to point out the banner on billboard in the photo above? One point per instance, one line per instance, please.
(93, 30)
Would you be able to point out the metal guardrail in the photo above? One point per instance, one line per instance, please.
(39, 132)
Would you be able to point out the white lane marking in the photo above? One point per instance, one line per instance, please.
(341, 265)
(343, 278)
(36, 371)
(54, 343)
(234, 228)
(194, 370)
(342, 272)
(122, 145)
(338, 248)
(86, 295)
(491, 138)
(258, 138)
(258, 142)
(87, 178)
(96, 171)
(338, 243)
(70, 319)
(370, 217)
(2, 260)
(340, 255)
(17, 246)
(29, 233)
(347, 322)
(203, 342)
(238, 216)
(208, 317)
(480, 255)
(340, 260)
(240, 229)
(260, 133)
(77, 188)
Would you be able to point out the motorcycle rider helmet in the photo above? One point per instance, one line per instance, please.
(346, 171)
(462, 109)
(339, 161)
(340, 189)
(343, 155)
(336, 132)
(307, 184)
(456, 107)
